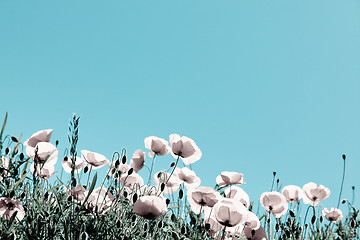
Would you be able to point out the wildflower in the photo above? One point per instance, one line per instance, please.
(78, 193)
(275, 203)
(157, 146)
(172, 182)
(239, 194)
(185, 148)
(150, 207)
(40, 136)
(334, 215)
(45, 171)
(9, 206)
(292, 193)
(79, 164)
(228, 212)
(230, 178)
(45, 156)
(100, 199)
(131, 181)
(137, 160)
(95, 160)
(202, 198)
(313, 194)
(251, 221)
(44, 153)
(215, 226)
(188, 177)
(260, 234)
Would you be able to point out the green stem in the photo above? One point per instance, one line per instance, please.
(342, 183)
(152, 167)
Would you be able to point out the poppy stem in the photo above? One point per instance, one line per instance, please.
(177, 160)
(223, 233)
(342, 181)
(307, 210)
(152, 166)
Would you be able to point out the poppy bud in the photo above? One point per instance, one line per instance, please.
(344, 156)
(135, 197)
(167, 201)
(160, 224)
(86, 169)
(56, 143)
(7, 150)
(172, 164)
(181, 194)
(14, 139)
(21, 156)
(123, 160)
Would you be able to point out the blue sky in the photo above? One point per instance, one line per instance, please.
(260, 86)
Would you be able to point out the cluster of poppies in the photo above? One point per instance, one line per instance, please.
(228, 212)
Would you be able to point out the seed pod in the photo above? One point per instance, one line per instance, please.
(123, 160)
(313, 219)
(181, 194)
(145, 226)
(162, 187)
(292, 214)
(135, 197)
(183, 229)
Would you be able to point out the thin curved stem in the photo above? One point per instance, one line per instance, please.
(342, 182)
(152, 167)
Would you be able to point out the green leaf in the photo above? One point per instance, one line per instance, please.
(3, 126)
(92, 186)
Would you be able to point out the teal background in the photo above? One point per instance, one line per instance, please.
(260, 86)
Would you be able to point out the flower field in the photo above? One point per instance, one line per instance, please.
(170, 204)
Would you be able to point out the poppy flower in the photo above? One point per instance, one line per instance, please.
(313, 194)
(78, 193)
(292, 193)
(132, 181)
(157, 146)
(275, 203)
(44, 171)
(95, 160)
(79, 164)
(239, 194)
(150, 207)
(215, 226)
(251, 220)
(202, 198)
(230, 178)
(185, 148)
(334, 215)
(260, 234)
(100, 198)
(172, 182)
(137, 160)
(40, 136)
(188, 177)
(9, 206)
(228, 212)
(46, 154)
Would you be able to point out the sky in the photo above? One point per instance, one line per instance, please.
(260, 86)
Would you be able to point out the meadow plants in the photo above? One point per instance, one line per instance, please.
(173, 206)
